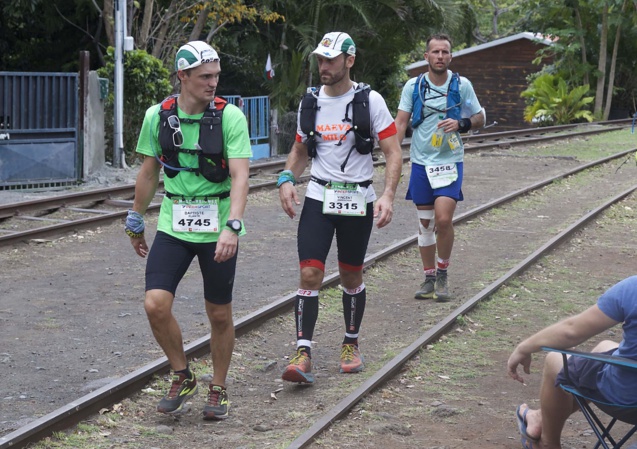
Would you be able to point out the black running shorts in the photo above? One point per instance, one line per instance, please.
(316, 231)
(169, 259)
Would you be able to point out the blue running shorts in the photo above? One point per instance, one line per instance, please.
(421, 193)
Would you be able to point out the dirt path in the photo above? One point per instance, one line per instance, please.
(65, 348)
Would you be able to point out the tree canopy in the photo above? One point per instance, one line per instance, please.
(594, 40)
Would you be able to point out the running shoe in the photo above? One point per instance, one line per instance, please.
(216, 409)
(180, 390)
(426, 288)
(441, 293)
(299, 369)
(351, 359)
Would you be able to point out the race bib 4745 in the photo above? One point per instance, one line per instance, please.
(196, 216)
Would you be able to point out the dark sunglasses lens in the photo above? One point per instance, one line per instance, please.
(178, 138)
(173, 122)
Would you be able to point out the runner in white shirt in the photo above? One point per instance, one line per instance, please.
(339, 199)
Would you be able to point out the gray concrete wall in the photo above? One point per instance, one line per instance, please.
(94, 140)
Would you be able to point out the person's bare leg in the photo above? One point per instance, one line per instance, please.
(605, 345)
(444, 209)
(555, 404)
(158, 305)
(221, 340)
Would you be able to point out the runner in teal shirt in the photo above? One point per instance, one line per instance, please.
(437, 154)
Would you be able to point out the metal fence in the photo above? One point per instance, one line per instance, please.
(38, 129)
(257, 112)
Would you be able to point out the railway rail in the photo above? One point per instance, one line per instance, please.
(83, 407)
(41, 218)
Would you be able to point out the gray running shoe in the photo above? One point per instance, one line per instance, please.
(181, 390)
(216, 409)
(441, 290)
(426, 290)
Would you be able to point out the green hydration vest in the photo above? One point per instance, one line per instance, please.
(424, 91)
(212, 165)
(360, 121)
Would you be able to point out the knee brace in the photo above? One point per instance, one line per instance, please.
(426, 236)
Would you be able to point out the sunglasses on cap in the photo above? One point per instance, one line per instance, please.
(178, 137)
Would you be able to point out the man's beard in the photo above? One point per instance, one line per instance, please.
(334, 79)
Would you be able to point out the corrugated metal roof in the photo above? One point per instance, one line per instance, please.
(524, 35)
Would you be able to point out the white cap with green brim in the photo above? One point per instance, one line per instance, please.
(335, 43)
(193, 54)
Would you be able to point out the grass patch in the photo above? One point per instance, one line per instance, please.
(83, 436)
(331, 302)
(587, 148)
(527, 204)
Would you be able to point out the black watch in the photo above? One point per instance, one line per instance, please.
(235, 226)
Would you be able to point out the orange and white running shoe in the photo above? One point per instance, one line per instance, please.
(299, 369)
(351, 359)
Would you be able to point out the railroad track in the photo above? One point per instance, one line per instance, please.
(133, 382)
(516, 137)
(42, 218)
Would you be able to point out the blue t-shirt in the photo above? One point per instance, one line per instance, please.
(620, 303)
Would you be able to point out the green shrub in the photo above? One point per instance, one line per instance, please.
(146, 82)
(550, 101)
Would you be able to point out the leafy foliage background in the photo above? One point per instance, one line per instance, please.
(147, 83)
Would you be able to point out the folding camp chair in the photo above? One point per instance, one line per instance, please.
(626, 414)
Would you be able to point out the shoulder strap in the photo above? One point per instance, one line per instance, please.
(167, 108)
(212, 165)
(361, 102)
(169, 157)
(361, 123)
(418, 100)
(210, 128)
(361, 119)
(169, 103)
(219, 103)
(307, 119)
(453, 97)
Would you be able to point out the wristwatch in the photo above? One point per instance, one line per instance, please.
(235, 226)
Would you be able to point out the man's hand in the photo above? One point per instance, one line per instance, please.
(226, 246)
(448, 125)
(518, 358)
(289, 198)
(384, 211)
(140, 246)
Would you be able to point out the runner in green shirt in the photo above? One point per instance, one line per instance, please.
(203, 145)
